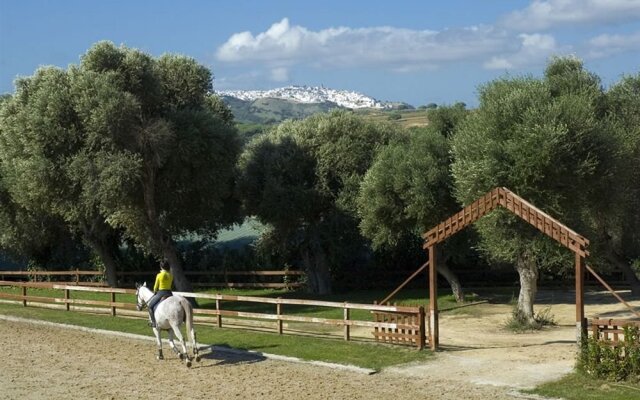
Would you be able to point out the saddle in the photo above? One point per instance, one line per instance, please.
(163, 298)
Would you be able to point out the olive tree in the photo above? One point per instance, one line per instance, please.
(543, 139)
(303, 179)
(616, 217)
(124, 142)
(409, 188)
(39, 138)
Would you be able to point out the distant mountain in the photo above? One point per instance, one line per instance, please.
(297, 102)
(308, 95)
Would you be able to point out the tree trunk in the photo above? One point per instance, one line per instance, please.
(180, 280)
(450, 276)
(528, 272)
(628, 272)
(453, 281)
(316, 267)
(103, 240)
(110, 263)
(162, 241)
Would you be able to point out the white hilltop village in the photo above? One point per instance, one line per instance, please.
(310, 94)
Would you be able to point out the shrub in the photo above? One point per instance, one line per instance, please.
(613, 361)
(519, 323)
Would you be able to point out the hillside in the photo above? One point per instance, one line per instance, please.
(298, 102)
(273, 110)
(406, 118)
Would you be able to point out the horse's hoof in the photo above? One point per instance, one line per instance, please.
(197, 358)
(160, 357)
(188, 364)
(181, 356)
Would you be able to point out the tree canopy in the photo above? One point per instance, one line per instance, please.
(123, 142)
(304, 178)
(543, 139)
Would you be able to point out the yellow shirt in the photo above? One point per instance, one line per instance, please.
(164, 280)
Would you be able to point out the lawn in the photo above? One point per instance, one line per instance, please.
(578, 387)
(320, 347)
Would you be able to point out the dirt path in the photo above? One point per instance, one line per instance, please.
(479, 361)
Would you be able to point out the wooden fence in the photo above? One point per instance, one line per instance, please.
(74, 276)
(205, 278)
(610, 330)
(283, 277)
(407, 331)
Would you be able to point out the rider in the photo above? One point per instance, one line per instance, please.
(161, 288)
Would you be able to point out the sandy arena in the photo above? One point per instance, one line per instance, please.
(479, 360)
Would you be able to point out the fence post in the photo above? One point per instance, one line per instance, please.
(24, 296)
(421, 331)
(77, 277)
(66, 299)
(347, 327)
(113, 306)
(279, 313)
(376, 319)
(219, 316)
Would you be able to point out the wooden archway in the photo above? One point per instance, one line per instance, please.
(503, 197)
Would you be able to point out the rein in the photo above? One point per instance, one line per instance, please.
(140, 303)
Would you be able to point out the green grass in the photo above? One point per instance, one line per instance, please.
(408, 118)
(319, 347)
(578, 387)
(368, 355)
(412, 298)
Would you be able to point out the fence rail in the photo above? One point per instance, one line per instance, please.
(410, 330)
(610, 330)
(77, 274)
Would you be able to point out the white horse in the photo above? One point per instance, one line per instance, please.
(170, 314)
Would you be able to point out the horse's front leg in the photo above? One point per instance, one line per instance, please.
(156, 331)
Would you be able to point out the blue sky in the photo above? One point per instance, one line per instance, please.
(413, 51)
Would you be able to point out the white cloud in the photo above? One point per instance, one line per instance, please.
(607, 45)
(398, 49)
(544, 14)
(534, 48)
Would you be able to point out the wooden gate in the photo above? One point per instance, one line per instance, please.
(401, 328)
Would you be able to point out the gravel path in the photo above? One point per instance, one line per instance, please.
(49, 362)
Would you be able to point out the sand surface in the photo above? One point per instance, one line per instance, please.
(479, 360)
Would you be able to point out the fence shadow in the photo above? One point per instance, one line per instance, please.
(225, 355)
(455, 347)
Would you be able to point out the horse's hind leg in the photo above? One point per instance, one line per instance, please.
(176, 330)
(173, 345)
(194, 344)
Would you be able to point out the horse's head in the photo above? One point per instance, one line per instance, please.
(141, 302)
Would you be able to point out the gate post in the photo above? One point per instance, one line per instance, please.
(581, 327)
(433, 299)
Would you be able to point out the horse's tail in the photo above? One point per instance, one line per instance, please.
(188, 313)
(188, 319)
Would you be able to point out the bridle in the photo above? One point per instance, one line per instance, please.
(140, 304)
